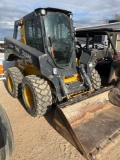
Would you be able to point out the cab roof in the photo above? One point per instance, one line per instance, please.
(54, 10)
(90, 32)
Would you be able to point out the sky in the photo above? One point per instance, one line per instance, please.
(85, 12)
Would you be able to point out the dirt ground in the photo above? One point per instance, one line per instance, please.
(36, 139)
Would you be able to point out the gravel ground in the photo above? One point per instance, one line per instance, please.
(36, 139)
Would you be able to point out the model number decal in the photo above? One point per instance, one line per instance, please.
(26, 55)
(17, 49)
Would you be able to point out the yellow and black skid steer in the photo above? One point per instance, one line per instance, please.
(79, 81)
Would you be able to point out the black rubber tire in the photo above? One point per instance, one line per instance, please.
(95, 79)
(114, 96)
(16, 77)
(41, 92)
(6, 136)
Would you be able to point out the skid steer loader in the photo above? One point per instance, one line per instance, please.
(49, 71)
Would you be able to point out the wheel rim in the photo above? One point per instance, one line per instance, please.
(28, 97)
(10, 84)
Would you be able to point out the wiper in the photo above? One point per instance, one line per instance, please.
(51, 48)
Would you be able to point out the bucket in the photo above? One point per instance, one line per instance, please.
(91, 125)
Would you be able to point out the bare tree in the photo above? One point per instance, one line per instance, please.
(117, 16)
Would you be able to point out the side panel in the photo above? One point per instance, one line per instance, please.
(22, 51)
(46, 67)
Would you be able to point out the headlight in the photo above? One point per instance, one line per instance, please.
(43, 11)
(71, 16)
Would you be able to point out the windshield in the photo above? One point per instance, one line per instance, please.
(59, 38)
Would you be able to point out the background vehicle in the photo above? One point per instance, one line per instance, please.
(100, 45)
(6, 136)
(47, 71)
